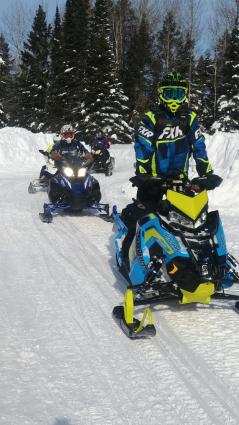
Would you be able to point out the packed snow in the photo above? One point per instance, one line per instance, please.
(63, 359)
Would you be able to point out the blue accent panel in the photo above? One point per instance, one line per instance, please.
(221, 241)
(142, 147)
(171, 249)
(137, 273)
(121, 231)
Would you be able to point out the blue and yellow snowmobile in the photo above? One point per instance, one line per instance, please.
(181, 255)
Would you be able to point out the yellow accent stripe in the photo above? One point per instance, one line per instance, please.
(147, 314)
(192, 118)
(151, 117)
(142, 160)
(169, 141)
(50, 148)
(209, 167)
(146, 140)
(185, 165)
(150, 233)
(142, 170)
(129, 307)
(153, 165)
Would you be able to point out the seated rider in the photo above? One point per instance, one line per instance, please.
(69, 143)
(165, 139)
(99, 148)
(45, 172)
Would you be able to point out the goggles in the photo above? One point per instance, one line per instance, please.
(68, 135)
(168, 94)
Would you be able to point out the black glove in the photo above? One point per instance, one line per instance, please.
(208, 181)
(45, 153)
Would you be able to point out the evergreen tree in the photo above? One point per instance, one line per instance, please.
(202, 91)
(32, 81)
(75, 48)
(55, 105)
(169, 39)
(125, 24)
(5, 82)
(185, 59)
(106, 105)
(139, 73)
(228, 103)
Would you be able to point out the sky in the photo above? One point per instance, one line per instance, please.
(50, 7)
(31, 5)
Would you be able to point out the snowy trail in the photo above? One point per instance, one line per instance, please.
(63, 359)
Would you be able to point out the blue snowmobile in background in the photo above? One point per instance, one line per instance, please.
(72, 189)
(181, 255)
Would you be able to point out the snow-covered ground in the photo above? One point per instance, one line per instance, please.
(63, 360)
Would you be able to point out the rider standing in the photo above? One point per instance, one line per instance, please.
(165, 139)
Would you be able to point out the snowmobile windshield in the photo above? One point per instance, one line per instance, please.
(174, 93)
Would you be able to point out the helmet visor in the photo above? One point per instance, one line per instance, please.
(68, 134)
(174, 93)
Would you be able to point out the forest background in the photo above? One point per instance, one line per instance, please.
(98, 64)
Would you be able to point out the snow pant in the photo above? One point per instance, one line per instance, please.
(149, 199)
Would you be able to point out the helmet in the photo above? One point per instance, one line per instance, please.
(67, 133)
(99, 134)
(173, 91)
(56, 138)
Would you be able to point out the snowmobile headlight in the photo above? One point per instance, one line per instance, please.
(68, 171)
(201, 220)
(175, 217)
(82, 172)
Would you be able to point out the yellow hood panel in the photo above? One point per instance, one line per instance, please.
(189, 206)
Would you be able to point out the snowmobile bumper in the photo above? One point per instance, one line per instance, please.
(132, 327)
(202, 294)
(50, 209)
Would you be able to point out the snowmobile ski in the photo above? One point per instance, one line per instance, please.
(132, 327)
(46, 217)
(236, 307)
(35, 186)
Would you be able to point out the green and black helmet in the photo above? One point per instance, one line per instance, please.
(173, 91)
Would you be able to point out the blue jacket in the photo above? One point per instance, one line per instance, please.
(62, 147)
(164, 143)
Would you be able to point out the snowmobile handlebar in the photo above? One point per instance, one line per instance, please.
(206, 182)
(45, 153)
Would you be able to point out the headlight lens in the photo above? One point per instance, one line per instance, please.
(175, 217)
(82, 172)
(68, 171)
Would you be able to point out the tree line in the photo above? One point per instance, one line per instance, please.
(98, 66)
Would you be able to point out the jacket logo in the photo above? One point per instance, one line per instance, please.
(145, 131)
(170, 133)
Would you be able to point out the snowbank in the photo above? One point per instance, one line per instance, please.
(19, 150)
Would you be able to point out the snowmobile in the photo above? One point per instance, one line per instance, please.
(100, 165)
(179, 255)
(72, 189)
